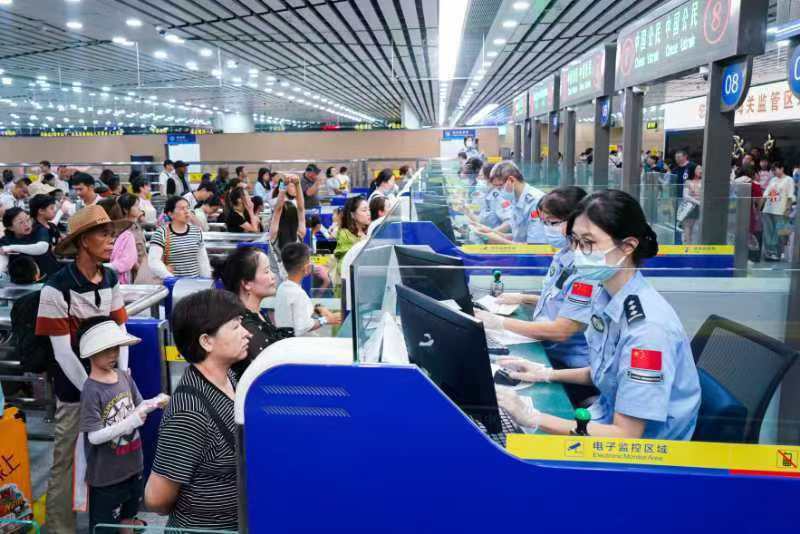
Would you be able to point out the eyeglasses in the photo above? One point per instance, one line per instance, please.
(586, 247)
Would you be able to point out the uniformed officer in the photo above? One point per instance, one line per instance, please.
(494, 209)
(640, 356)
(563, 308)
(525, 224)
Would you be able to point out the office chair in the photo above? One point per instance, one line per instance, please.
(746, 363)
(722, 418)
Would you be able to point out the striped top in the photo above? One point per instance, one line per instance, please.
(182, 252)
(192, 451)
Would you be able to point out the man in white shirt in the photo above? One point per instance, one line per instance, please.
(778, 199)
(344, 180)
(293, 307)
(203, 192)
(17, 197)
(166, 174)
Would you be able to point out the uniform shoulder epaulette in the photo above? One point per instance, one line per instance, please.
(633, 309)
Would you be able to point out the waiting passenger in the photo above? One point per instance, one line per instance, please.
(344, 179)
(377, 210)
(141, 188)
(334, 186)
(560, 318)
(355, 222)
(288, 224)
(240, 216)
(129, 257)
(208, 210)
(221, 182)
(525, 224)
(177, 248)
(689, 209)
(18, 197)
(311, 182)
(262, 187)
(382, 185)
(293, 307)
(246, 273)
(19, 239)
(43, 213)
(203, 192)
(95, 289)
(640, 357)
(241, 174)
(166, 175)
(22, 270)
(194, 472)
(779, 197)
(85, 189)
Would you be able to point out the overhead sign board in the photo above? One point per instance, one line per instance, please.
(588, 77)
(735, 83)
(543, 97)
(181, 139)
(684, 34)
(793, 68)
(519, 107)
(458, 134)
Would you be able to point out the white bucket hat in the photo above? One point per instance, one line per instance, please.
(104, 336)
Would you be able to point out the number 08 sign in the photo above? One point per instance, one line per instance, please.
(683, 34)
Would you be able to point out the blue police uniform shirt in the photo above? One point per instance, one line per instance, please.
(642, 362)
(495, 210)
(557, 301)
(526, 225)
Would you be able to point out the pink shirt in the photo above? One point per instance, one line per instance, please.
(124, 257)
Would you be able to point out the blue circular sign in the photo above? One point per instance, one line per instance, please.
(733, 84)
(605, 112)
(794, 71)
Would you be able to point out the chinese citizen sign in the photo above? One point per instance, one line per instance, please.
(583, 79)
(680, 36)
(763, 103)
(542, 97)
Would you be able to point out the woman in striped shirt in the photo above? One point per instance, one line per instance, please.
(194, 472)
(176, 248)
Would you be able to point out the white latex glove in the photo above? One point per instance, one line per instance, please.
(510, 298)
(520, 409)
(157, 402)
(490, 321)
(526, 371)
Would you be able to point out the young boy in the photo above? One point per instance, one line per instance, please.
(111, 412)
(293, 307)
(22, 270)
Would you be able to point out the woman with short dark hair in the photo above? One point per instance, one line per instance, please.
(177, 248)
(19, 239)
(194, 472)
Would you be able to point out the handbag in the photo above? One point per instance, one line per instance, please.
(685, 209)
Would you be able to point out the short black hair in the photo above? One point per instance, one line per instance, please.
(180, 164)
(342, 170)
(82, 178)
(212, 201)
(295, 256)
(45, 162)
(778, 164)
(8, 176)
(48, 177)
(473, 165)
(23, 181)
(201, 313)
(239, 169)
(487, 170)
(207, 186)
(8, 218)
(383, 177)
(312, 221)
(40, 202)
(168, 162)
(126, 202)
(561, 202)
(22, 269)
(404, 169)
(172, 203)
(239, 266)
(138, 182)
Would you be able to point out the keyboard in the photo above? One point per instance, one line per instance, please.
(494, 346)
(507, 426)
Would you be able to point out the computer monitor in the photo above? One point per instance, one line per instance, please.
(425, 271)
(439, 215)
(450, 347)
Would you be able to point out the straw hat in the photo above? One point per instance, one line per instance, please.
(40, 188)
(86, 219)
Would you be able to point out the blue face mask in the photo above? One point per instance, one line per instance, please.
(507, 195)
(554, 237)
(593, 266)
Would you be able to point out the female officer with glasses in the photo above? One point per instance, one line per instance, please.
(563, 308)
(640, 358)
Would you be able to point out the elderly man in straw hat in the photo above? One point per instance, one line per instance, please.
(77, 292)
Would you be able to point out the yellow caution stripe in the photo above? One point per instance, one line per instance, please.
(172, 355)
(733, 457)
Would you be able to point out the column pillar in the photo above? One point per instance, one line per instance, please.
(632, 142)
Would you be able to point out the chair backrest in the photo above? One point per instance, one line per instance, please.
(722, 418)
(748, 364)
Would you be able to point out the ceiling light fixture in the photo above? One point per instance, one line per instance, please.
(451, 22)
(134, 23)
(172, 38)
(6, 2)
(74, 25)
(499, 41)
(510, 23)
(160, 54)
(206, 52)
(520, 6)
(191, 65)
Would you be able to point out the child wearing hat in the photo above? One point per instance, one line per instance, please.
(112, 410)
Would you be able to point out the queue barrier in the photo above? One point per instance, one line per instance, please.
(386, 438)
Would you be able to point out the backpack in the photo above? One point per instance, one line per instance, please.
(34, 352)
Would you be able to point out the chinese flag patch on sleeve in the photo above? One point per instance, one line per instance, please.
(506, 203)
(534, 214)
(649, 360)
(580, 289)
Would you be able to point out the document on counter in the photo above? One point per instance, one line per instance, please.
(507, 337)
(490, 303)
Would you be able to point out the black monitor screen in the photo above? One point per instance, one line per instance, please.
(427, 273)
(450, 347)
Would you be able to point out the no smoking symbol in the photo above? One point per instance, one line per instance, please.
(716, 18)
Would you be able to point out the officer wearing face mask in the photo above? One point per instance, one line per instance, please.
(494, 210)
(525, 225)
(640, 358)
(560, 317)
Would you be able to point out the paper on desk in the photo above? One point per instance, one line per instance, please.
(490, 303)
(394, 344)
(450, 303)
(506, 337)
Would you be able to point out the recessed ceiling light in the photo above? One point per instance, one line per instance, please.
(7, 81)
(253, 72)
(74, 25)
(521, 6)
(160, 54)
(510, 23)
(206, 52)
(191, 65)
(491, 54)
(121, 41)
(231, 64)
(499, 41)
(216, 73)
(134, 23)
(172, 38)
(6, 2)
